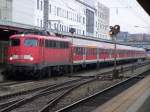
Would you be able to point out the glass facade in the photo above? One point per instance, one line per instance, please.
(89, 21)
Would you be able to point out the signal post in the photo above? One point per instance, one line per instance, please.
(114, 30)
(72, 31)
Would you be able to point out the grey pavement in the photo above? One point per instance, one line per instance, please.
(146, 106)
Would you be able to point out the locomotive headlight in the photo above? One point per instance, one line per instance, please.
(10, 58)
(31, 58)
(13, 57)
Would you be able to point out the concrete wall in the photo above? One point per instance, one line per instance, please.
(23, 11)
(6, 9)
(67, 13)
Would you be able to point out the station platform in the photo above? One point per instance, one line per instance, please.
(134, 99)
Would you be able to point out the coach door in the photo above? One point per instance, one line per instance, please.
(41, 50)
(97, 54)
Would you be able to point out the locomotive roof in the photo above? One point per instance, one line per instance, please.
(79, 42)
(40, 37)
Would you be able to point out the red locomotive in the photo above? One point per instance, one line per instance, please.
(37, 56)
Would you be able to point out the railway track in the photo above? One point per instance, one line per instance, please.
(58, 90)
(90, 103)
(107, 73)
(46, 93)
(10, 83)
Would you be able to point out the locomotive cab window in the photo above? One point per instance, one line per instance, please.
(14, 42)
(31, 42)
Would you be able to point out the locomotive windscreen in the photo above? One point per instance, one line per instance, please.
(14, 42)
(31, 42)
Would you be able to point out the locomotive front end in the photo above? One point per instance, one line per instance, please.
(23, 55)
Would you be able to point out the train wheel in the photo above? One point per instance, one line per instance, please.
(38, 75)
(49, 72)
(7, 75)
(66, 69)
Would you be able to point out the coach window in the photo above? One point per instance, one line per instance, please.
(77, 50)
(66, 44)
(15, 42)
(63, 45)
(53, 44)
(31, 42)
(92, 51)
(88, 51)
(106, 51)
(82, 50)
(46, 43)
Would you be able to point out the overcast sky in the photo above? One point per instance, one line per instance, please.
(129, 15)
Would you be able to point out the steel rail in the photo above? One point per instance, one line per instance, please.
(19, 102)
(57, 98)
(48, 90)
(75, 107)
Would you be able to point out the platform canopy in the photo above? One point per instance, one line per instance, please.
(145, 4)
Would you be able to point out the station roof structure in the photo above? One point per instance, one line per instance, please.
(145, 5)
(5, 24)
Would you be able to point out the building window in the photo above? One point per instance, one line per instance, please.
(83, 20)
(37, 4)
(65, 28)
(67, 14)
(60, 27)
(37, 22)
(83, 32)
(77, 18)
(41, 5)
(50, 8)
(41, 23)
(58, 11)
(55, 26)
(55, 10)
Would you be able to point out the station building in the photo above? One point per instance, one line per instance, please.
(89, 18)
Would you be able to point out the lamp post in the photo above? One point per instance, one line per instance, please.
(72, 31)
(113, 33)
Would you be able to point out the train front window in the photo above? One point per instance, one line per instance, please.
(15, 42)
(31, 42)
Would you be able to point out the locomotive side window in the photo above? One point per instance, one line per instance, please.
(15, 42)
(50, 44)
(31, 42)
(79, 50)
(64, 44)
(56, 44)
